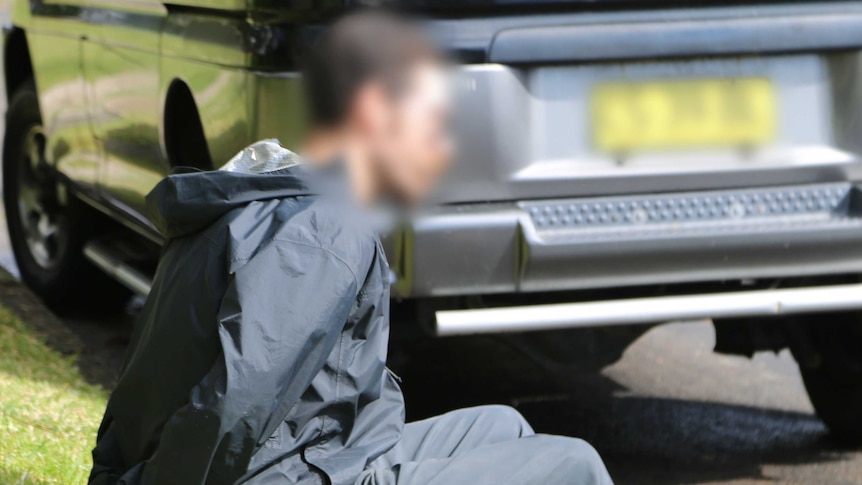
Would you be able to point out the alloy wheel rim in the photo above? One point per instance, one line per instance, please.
(40, 213)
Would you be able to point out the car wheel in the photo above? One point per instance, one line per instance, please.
(47, 233)
(830, 360)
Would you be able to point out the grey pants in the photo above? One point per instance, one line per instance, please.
(484, 445)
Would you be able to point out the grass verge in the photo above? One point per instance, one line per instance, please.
(48, 413)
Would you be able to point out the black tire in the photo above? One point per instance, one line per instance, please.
(58, 272)
(830, 360)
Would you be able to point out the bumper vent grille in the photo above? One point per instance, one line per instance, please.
(694, 210)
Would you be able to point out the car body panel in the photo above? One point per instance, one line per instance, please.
(122, 78)
(654, 34)
(56, 52)
(205, 38)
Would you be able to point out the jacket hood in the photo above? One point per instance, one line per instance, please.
(185, 203)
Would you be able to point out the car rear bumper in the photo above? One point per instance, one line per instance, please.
(604, 242)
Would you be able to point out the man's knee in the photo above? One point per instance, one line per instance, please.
(574, 460)
(504, 418)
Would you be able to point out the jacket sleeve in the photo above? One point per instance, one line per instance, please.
(282, 315)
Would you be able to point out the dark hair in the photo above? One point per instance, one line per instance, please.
(363, 46)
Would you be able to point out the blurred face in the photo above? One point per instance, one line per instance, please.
(408, 135)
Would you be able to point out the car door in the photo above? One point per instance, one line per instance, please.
(121, 71)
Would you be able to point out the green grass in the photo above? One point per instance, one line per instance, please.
(48, 413)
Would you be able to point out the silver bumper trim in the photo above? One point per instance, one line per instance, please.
(649, 310)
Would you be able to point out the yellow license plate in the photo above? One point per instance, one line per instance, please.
(629, 116)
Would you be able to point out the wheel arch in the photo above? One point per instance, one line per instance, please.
(183, 136)
(18, 66)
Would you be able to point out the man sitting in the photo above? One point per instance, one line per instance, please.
(259, 356)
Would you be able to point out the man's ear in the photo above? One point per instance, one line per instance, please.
(370, 108)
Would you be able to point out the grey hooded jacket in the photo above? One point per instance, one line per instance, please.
(259, 355)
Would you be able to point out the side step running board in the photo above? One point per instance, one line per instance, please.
(788, 301)
(110, 261)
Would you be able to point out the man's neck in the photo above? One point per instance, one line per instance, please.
(326, 147)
